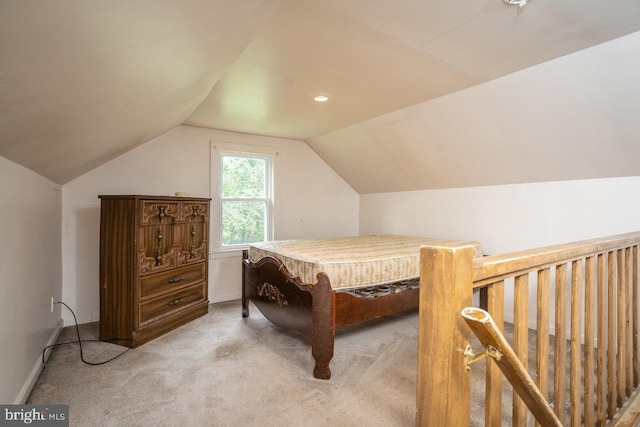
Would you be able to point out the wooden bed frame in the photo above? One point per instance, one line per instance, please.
(314, 310)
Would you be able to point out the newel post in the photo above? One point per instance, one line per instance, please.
(444, 388)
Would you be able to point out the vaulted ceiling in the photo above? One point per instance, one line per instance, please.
(83, 81)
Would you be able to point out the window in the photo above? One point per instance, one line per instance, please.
(245, 198)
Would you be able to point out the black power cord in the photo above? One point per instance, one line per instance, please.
(80, 341)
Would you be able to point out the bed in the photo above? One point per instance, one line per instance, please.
(314, 286)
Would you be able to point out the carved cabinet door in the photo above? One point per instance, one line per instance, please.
(158, 239)
(194, 236)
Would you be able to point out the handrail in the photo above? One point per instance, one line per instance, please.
(489, 334)
(494, 267)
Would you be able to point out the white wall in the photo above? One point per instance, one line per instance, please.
(311, 201)
(508, 218)
(30, 267)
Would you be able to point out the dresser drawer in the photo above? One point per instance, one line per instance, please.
(170, 280)
(172, 302)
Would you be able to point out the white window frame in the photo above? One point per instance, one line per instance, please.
(218, 150)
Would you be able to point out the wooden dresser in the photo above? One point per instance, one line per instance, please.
(153, 265)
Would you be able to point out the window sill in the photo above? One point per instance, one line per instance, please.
(231, 253)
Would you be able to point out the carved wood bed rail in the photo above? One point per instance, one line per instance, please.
(594, 283)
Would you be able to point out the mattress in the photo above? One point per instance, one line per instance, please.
(350, 262)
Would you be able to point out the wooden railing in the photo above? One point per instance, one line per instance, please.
(593, 285)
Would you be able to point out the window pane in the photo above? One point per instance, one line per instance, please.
(243, 222)
(243, 177)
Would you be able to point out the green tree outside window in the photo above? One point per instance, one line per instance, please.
(244, 199)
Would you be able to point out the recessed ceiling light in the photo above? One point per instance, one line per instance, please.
(320, 98)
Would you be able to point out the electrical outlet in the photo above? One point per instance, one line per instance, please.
(52, 302)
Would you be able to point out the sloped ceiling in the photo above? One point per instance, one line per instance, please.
(84, 81)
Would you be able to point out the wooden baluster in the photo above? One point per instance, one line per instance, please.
(520, 339)
(602, 342)
(628, 321)
(620, 362)
(576, 356)
(493, 393)
(635, 326)
(560, 354)
(589, 360)
(542, 336)
(611, 344)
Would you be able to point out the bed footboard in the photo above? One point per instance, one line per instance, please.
(287, 302)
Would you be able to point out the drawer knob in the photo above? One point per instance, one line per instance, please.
(176, 302)
(176, 279)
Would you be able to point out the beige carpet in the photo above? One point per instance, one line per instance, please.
(223, 370)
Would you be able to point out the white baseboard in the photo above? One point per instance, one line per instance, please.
(223, 298)
(22, 397)
(89, 318)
